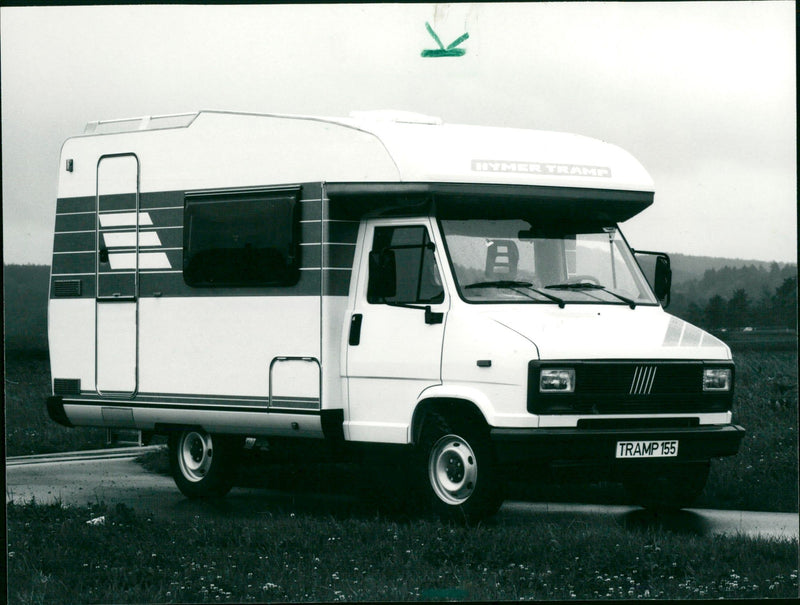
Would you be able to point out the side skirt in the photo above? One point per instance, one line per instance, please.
(215, 416)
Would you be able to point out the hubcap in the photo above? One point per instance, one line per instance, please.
(452, 469)
(195, 454)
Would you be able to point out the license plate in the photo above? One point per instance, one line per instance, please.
(647, 449)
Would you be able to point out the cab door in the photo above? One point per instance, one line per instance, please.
(397, 321)
(117, 276)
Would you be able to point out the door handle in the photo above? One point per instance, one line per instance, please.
(355, 330)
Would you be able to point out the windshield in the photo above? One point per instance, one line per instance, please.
(515, 260)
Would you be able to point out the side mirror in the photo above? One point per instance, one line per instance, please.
(382, 282)
(663, 279)
(659, 275)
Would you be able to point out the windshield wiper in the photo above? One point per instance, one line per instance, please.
(512, 284)
(590, 286)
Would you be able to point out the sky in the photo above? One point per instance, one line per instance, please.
(703, 94)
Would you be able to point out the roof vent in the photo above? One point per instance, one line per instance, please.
(390, 115)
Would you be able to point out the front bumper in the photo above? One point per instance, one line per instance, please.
(593, 446)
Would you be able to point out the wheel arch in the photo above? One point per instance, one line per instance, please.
(449, 406)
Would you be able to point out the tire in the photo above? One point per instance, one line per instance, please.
(669, 488)
(201, 465)
(459, 475)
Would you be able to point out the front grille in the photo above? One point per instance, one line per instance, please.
(628, 387)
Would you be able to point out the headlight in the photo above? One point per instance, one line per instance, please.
(716, 379)
(557, 380)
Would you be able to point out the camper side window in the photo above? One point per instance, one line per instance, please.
(241, 239)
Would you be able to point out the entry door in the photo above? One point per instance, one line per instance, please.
(117, 269)
(394, 351)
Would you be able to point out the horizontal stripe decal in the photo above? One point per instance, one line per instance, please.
(336, 257)
(161, 239)
(216, 406)
(161, 199)
(73, 263)
(76, 204)
(110, 202)
(124, 219)
(310, 212)
(258, 400)
(76, 222)
(147, 260)
(311, 233)
(170, 283)
(74, 242)
(128, 239)
(155, 209)
(73, 213)
(340, 232)
(117, 284)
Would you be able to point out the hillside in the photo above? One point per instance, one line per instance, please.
(735, 295)
(686, 268)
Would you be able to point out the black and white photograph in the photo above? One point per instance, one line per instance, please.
(400, 302)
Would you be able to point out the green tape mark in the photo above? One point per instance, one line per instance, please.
(457, 41)
(433, 33)
(455, 52)
(450, 51)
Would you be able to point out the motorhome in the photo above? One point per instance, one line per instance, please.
(462, 294)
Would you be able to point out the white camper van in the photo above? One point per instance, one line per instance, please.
(461, 293)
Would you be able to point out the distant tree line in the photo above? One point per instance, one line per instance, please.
(735, 298)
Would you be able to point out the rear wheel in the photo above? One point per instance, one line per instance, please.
(669, 488)
(201, 465)
(460, 478)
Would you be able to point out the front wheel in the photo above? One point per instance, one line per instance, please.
(201, 465)
(460, 475)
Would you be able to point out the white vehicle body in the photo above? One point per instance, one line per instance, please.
(141, 338)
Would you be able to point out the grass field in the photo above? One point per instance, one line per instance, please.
(56, 556)
(763, 476)
(29, 430)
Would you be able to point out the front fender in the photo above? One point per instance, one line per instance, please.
(471, 397)
(466, 393)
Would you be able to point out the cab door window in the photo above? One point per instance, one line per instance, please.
(411, 257)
